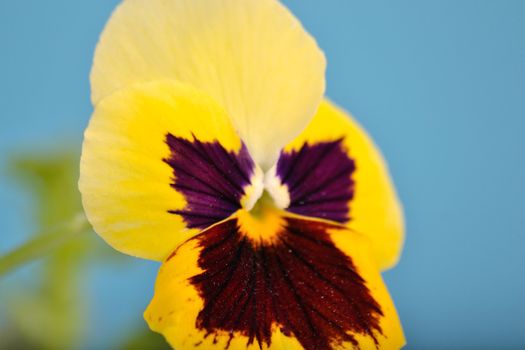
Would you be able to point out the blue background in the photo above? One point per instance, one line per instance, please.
(439, 84)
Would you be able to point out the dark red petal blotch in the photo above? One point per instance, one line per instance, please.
(300, 282)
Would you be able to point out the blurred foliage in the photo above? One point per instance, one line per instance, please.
(52, 180)
(46, 312)
(49, 310)
(146, 339)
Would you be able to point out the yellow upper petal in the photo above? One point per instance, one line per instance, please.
(374, 210)
(252, 56)
(127, 182)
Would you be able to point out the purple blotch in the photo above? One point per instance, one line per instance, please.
(319, 179)
(211, 179)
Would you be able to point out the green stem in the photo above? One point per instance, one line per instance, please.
(42, 244)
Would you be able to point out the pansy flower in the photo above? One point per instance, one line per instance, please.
(212, 149)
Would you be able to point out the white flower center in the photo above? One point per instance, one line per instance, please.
(269, 182)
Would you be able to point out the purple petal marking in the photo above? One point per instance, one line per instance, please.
(211, 179)
(319, 179)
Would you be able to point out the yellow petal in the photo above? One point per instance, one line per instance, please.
(313, 287)
(371, 204)
(252, 56)
(160, 162)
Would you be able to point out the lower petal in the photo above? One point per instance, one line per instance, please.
(312, 285)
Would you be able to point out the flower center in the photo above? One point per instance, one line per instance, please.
(276, 189)
(265, 188)
(263, 222)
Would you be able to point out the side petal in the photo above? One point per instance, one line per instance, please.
(313, 287)
(160, 162)
(334, 171)
(252, 56)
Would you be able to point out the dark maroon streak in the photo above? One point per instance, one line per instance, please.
(301, 282)
(319, 179)
(210, 178)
